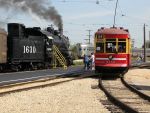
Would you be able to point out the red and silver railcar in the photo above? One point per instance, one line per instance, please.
(112, 50)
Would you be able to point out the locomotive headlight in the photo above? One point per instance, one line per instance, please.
(110, 57)
(49, 49)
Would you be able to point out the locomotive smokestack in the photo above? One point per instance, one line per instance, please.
(60, 28)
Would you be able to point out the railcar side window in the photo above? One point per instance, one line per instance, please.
(100, 47)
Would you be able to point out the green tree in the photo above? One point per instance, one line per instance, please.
(74, 52)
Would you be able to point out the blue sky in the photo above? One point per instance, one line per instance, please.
(81, 15)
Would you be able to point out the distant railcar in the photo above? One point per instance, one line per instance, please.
(84, 49)
(112, 50)
(140, 51)
(3, 48)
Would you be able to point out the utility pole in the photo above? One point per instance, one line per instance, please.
(144, 29)
(149, 40)
(132, 45)
(149, 35)
(89, 35)
(133, 41)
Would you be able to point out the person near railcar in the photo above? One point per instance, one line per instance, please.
(92, 61)
(86, 62)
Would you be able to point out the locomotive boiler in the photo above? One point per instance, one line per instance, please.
(62, 42)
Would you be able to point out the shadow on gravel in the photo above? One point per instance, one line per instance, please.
(110, 76)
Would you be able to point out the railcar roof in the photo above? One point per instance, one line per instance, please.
(112, 31)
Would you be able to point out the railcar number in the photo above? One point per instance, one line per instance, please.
(29, 49)
(110, 62)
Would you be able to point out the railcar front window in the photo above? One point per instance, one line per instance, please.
(100, 47)
(122, 47)
(111, 47)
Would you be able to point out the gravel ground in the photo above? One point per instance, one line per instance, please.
(140, 77)
(79, 96)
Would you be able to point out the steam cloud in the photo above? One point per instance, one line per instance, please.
(37, 7)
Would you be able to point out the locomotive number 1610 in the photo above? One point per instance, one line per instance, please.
(29, 49)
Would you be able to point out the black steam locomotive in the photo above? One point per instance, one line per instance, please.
(27, 48)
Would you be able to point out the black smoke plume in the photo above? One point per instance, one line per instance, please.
(41, 8)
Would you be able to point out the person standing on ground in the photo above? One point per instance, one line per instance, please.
(86, 61)
(92, 61)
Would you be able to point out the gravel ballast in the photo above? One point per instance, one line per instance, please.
(76, 96)
(140, 78)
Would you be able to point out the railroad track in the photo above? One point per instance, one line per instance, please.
(36, 77)
(45, 82)
(142, 66)
(125, 97)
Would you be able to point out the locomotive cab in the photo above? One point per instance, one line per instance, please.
(112, 50)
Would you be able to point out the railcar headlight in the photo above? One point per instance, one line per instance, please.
(110, 57)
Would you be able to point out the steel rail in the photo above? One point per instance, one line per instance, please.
(75, 77)
(116, 101)
(42, 79)
(133, 89)
(143, 65)
(32, 79)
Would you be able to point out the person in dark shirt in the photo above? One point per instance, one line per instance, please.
(86, 62)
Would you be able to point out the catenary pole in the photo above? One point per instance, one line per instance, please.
(89, 35)
(144, 46)
(115, 13)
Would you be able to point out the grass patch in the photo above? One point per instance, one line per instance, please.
(78, 62)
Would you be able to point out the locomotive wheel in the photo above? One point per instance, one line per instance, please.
(40, 66)
(15, 68)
